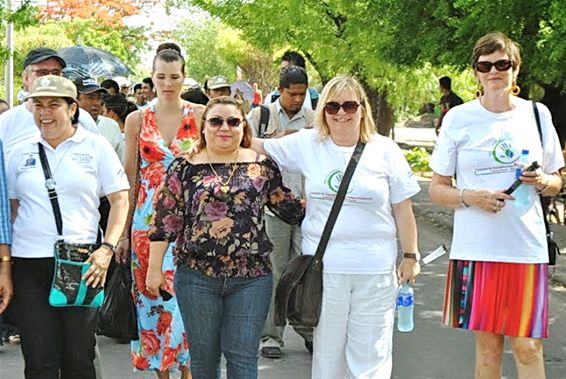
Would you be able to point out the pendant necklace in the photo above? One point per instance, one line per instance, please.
(225, 185)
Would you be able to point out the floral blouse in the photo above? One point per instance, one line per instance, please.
(217, 232)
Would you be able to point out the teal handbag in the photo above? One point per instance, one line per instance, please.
(68, 289)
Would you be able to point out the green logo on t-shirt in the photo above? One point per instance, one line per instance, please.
(504, 152)
(333, 180)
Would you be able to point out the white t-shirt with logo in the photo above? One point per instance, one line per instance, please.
(483, 149)
(363, 240)
(17, 125)
(84, 167)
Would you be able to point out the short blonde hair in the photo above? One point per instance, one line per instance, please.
(331, 89)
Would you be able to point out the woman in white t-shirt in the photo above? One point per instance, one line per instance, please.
(497, 276)
(60, 341)
(355, 330)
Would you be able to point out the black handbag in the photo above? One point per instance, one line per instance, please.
(68, 289)
(298, 296)
(553, 249)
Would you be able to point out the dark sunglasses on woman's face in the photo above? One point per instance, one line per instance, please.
(500, 65)
(217, 122)
(349, 107)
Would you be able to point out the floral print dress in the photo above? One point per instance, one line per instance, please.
(218, 228)
(162, 343)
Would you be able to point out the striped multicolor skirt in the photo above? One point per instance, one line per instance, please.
(508, 299)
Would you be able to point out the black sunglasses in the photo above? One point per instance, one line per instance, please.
(217, 122)
(349, 107)
(500, 65)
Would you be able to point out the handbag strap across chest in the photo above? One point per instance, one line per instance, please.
(50, 186)
(337, 205)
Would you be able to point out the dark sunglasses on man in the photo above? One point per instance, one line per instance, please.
(500, 65)
(350, 107)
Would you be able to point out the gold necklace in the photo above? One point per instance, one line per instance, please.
(225, 187)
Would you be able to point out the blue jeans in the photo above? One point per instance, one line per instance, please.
(223, 315)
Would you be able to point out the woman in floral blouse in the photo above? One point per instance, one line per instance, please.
(212, 204)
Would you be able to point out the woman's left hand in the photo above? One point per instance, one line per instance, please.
(99, 261)
(408, 270)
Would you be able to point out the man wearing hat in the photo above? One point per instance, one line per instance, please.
(218, 86)
(17, 124)
(89, 98)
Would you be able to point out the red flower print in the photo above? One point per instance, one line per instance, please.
(154, 174)
(169, 356)
(168, 277)
(140, 362)
(164, 322)
(141, 246)
(150, 151)
(142, 196)
(140, 272)
(185, 341)
(150, 342)
(188, 129)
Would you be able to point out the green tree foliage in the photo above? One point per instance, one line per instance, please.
(20, 17)
(389, 44)
(212, 48)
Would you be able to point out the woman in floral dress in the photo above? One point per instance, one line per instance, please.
(154, 137)
(212, 205)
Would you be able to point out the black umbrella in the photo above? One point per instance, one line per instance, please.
(89, 61)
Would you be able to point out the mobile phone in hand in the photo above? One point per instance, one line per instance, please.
(532, 167)
(165, 295)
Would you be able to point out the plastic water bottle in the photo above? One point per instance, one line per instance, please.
(523, 194)
(405, 307)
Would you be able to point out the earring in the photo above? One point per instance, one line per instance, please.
(515, 89)
(479, 91)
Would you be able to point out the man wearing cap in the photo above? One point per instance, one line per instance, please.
(89, 98)
(218, 86)
(17, 124)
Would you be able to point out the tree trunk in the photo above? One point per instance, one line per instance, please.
(380, 109)
(555, 100)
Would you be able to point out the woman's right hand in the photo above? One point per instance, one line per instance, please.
(153, 281)
(489, 201)
(122, 251)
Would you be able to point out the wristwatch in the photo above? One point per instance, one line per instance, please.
(109, 245)
(415, 256)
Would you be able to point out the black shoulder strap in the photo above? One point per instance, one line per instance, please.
(338, 201)
(542, 201)
(263, 121)
(50, 185)
(537, 118)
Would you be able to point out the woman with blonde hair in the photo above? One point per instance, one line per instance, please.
(212, 205)
(355, 330)
(497, 276)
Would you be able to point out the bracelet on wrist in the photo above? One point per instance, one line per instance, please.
(461, 197)
(109, 245)
(123, 238)
(5, 258)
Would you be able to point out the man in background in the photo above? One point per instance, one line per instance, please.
(448, 100)
(294, 58)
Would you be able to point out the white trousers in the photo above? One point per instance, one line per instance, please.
(354, 335)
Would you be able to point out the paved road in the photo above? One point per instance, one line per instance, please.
(430, 352)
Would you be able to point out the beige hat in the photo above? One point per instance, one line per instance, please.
(52, 85)
(217, 82)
